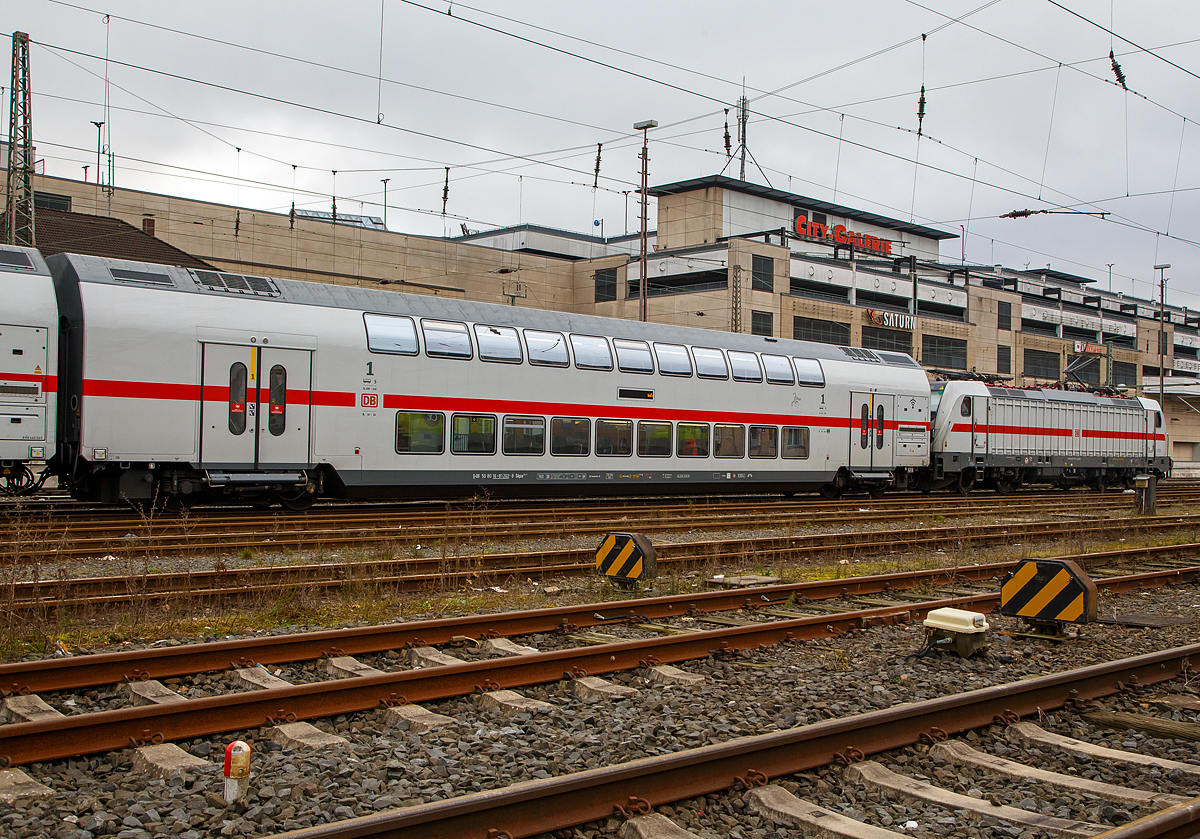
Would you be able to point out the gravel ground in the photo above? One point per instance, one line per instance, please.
(751, 693)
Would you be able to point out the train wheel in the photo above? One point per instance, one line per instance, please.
(877, 490)
(966, 481)
(830, 491)
(1005, 485)
(299, 500)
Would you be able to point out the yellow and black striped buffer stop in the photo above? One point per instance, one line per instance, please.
(626, 557)
(1048, 591)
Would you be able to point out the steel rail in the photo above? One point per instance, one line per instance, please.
(535, 807)
(422, 574)
(1178, 822)
(71, 736)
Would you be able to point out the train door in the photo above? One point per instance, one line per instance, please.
(871, 423)
(254, 406)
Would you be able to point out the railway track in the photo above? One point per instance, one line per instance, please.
(554, 681)
(223, 585)
(52, 538)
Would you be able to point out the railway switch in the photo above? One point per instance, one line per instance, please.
(237, 770)
(966, 633)
(626, 558)
(1048, 594)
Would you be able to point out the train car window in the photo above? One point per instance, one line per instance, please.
(524, 435)
(864, 440)
(729, 440)
(548, 349)
(691, 439)
(1158, 419)
(779, 369)
(879, 426)
(654, 439)
(591, 352)
(277, 412)
(614, 438)
(809, 372)
(633, 356)
(965, 408)
(795, 442)
(391, 334)
(446, 339)
(764, 440)
(745, 366)
(472, 434)
(570, 437)
(237, 398)
(710, 363)
(420, 433)
(673, 360)
(498, 343)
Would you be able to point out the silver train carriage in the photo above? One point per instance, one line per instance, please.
(206, 384)
(28, 368)
(1002, 438)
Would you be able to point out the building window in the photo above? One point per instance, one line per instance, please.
(762, 323)
(1004, 360)
(889, 340)
(1039, 327)
(946, 353)
(50, 201)
(821, 331)
(1004, 315)
(606, 285)
(1040, 364)
(762, 277)
(1124, 374)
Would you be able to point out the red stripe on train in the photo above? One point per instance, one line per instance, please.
(964, 427)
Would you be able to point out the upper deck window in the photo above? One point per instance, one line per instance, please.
(673, 360)
(779, 369)
(446, 339)
(548, 349)
(710, 363)
(633, 356)
(391, 334)
(591, 352)
(498, 343)
(745, 366)
(809, 372)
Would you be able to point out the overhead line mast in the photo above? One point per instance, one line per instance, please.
(19, 221)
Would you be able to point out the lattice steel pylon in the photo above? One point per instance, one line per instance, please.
(19, 226)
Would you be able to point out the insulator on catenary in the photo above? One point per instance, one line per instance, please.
(596, 182)
(728, 147)
(921, 111)
(1117, 70)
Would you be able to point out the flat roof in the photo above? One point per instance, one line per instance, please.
(725, 182)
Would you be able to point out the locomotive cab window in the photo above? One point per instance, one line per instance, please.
(472, 434)
(524, 435)
(673, 360)
(795, 442)
(809, 372)
(633, 356)
(570, 437)
(729, 440)
(547, 349)
(446, 339)
(391, 334)
(764, 441)
(654, 439)
(237, 398)
(779, 369)
(277, 413)
(710, 363)
(691, 439)
(498, 343)
(591, 352)
(419, 433)
(614, 438)
(745, 367)
(965, 409)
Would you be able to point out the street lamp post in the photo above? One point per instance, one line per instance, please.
(643, 285)
(1162, 330)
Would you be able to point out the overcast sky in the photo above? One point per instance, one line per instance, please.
(1023, 111)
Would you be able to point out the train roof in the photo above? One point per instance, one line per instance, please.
(18, 260)
(1037, 394)
(166, 278)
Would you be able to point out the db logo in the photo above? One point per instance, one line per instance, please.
(370, 400)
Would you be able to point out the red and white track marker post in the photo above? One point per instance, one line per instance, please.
(237, 770)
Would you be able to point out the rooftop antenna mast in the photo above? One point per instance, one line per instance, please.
(743, 119)
(19, 226)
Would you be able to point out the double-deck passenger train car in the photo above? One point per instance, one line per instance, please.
(193, 384)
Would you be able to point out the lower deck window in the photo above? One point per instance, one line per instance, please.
(524, 435)
(795, 442)
(654, 439)
(472, 434)
(614, 438)
(729, 440)
(764, 440)
(418, 433)
(570, 436)
(691, 439)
